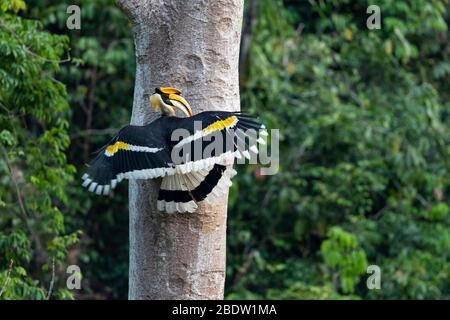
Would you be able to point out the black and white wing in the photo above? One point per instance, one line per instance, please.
(203, 156)
(194, 156)
(134, 153)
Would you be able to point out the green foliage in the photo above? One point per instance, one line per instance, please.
(33, 166)
(365, 149)
(12, 5)
(341, 253)
(100, 85)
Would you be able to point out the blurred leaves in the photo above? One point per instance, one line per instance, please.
(33, 165)
(100, 82)
(364, 154)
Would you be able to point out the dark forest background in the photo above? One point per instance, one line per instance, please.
(364, 119)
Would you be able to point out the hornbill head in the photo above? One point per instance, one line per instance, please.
(164, 99)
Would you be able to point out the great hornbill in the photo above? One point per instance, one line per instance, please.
(193, 155)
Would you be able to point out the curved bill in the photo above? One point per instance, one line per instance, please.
(181, 103)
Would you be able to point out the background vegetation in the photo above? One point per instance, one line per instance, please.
(364, 118)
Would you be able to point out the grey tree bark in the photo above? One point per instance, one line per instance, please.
(192, 45)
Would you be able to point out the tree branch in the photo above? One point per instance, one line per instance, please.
(23, 211)
(94, 132)
(8, 275)
(52, 281)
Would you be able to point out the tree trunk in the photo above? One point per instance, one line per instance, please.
(192, 45)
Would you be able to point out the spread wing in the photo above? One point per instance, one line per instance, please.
(134, 153)
(214, 137)
(203, 151)
(194, 155)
